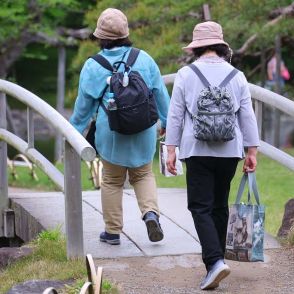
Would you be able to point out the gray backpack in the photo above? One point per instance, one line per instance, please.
(215, 118)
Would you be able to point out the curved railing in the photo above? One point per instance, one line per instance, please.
(260, 96)
(75, 149)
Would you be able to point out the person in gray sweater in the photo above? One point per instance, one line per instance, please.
(210, 165)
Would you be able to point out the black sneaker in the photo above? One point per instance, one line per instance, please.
(154, 230)
(112, 239)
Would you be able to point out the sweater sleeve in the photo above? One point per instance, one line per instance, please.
(176, 113)
(160, 92)
(247, 118)
(85, 103)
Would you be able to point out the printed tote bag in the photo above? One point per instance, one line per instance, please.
(245, 232)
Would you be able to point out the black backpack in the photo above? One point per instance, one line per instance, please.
(131, 106)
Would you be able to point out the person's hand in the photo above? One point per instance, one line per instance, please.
(161, 132)
(250, 161)
(171, 160)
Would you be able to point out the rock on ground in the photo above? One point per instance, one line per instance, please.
(10, 254)
(35, 287)
(288, 219)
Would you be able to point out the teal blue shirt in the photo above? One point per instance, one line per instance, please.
(125, 150)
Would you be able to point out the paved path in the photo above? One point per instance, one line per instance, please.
(180, 236)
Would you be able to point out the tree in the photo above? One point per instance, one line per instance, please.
(162, 27)
(37, 21)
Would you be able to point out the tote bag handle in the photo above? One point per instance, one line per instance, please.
(252, 188)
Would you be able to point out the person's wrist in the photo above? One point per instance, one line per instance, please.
(171, 148)
(252, 151)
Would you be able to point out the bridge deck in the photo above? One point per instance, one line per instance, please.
(47, 209)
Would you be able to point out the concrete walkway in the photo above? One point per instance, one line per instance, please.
(179, 233)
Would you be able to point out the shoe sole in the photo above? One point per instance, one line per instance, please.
(111, 242)
(155, 233)
(220, 276)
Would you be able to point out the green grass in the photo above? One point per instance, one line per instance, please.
(49, 261)
(275, 183)
(25, 180)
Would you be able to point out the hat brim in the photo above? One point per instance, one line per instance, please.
(97, 34)
(203, 43)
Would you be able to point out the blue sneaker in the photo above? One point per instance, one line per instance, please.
(219, 271)
(154, 230)
(112, 239)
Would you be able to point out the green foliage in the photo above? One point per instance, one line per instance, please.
(160, 27)
(156, 26)
(163, 27)
(51, 245)
(19, 15)
(242, 18)
(74, 288)
(50, 235)
(107, 287)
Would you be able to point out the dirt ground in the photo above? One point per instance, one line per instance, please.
(182, 274)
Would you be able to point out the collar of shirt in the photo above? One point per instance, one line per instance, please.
(116, 51)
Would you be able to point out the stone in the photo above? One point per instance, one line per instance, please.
(35, 287)
(288, 219)
(10, 254)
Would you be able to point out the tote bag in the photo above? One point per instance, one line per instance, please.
(245, 232)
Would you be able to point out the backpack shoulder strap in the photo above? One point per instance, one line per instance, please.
(102, 61)
(200, 75)
(133, 56)
(228, 78)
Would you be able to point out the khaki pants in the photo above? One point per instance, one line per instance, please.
(113, 178)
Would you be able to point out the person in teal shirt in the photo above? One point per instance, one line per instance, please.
(121, 153)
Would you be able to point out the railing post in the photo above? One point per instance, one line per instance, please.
(60, 99)
(258, 114)
(3, 165)
(277, 114)
(31, 134)
(73, 202)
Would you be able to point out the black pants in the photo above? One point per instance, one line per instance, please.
(208, 187)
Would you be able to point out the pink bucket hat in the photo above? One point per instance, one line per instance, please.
(206, 34)
(112, 24)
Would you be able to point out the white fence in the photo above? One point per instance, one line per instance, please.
(75, 149)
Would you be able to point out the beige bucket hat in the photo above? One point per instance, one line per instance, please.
(112, 24)
(206, 34)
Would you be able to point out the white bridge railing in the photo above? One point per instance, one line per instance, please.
(75, 149)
